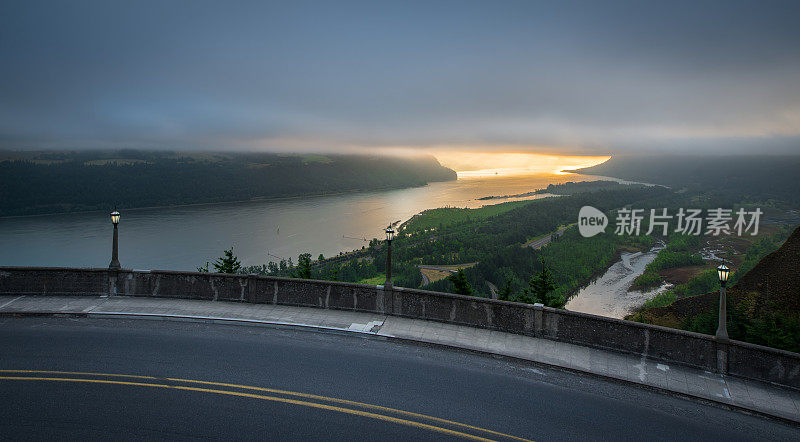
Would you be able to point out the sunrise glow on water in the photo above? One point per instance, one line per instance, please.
(487, 164)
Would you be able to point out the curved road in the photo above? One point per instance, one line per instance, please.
(134, 379)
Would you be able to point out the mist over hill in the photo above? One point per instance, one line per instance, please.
(51, 182)
(752, 178)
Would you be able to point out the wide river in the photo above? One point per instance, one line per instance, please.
(182, 238)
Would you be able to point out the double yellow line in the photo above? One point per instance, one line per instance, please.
(307, 400)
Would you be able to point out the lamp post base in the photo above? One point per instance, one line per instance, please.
(115, 251)
(722, 327)
(388, 284)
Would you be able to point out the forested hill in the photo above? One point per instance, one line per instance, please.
(750, 178)
(50, 182)
(763, 306)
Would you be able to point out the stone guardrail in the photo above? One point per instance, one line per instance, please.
(653, 342)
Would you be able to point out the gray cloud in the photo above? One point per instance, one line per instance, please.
(584, 76)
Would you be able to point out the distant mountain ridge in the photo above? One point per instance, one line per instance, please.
(742, 177)
(54, 182)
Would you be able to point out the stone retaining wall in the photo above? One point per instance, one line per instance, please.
(654, 342)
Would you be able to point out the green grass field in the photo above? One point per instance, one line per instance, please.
(446, 216)
(377, 280)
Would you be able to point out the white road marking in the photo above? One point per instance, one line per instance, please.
(364, 327)
(9, 302)
(662, 367)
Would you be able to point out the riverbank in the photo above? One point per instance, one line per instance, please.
(609, 294)
(219, 203)
(185, 236)
(87, 181)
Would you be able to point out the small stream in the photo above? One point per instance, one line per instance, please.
(608, 295)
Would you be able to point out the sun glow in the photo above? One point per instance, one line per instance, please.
(483, 164)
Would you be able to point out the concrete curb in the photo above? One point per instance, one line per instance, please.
(181, 318)
(278, 324)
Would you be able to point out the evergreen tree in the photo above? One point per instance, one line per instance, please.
(540, 288)
(460, 283)
(228, 263)
(304, 266)
(525, 297)
(333, 274)
(505, 294)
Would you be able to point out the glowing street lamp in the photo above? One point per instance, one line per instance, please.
(115, 248)
(389, 237)
(722, 330)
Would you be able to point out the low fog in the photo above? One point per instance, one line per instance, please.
(581, 78)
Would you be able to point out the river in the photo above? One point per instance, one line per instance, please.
(182, 238)
(608, 295)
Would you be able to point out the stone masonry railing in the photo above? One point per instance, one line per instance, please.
(653, 342)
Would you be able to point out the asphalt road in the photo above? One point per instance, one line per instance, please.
(541, 242)
(294, 384)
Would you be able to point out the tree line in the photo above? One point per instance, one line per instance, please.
(78, 182)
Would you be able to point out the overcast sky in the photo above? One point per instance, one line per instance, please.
(591, 77)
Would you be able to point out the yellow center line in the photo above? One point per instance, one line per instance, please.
(284, 392)
(258, 396)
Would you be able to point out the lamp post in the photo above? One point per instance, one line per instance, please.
(722, 330)
(115, 248)
(389, 237)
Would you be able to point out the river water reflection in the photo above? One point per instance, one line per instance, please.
(182, 238)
